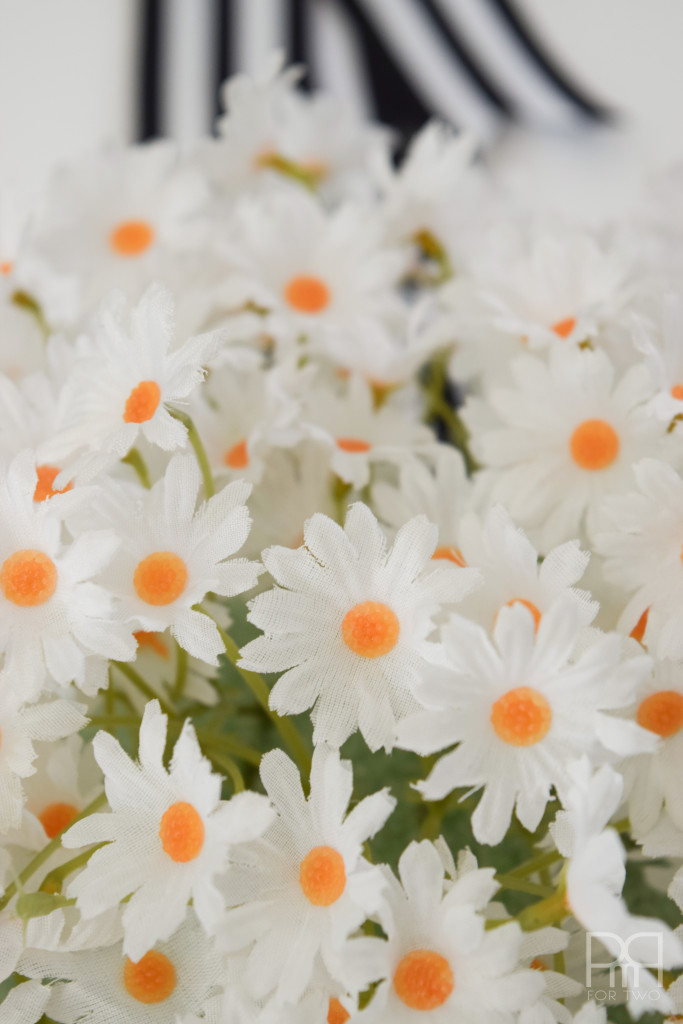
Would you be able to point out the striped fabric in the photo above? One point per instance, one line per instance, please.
(476, 63)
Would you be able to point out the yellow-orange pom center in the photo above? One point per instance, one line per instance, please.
(55, 817)
(423, 980)
(638, 631)
(336, 1013)
(307, 294)
(182, 832)
(131, 237)
(46, 478)
(530, 606)
(594, 444)
(370, 629)
(142, 402)
(237, 457)
(153, 641)
(322, 876)
(662, 712)
(354, 445)
(160, 578)
(28, 578)
(450, 554)
(677, 392)
(563, 328)
(521, 717)
(6, 267)
(151, 980)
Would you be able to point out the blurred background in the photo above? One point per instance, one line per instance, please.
(575, 101)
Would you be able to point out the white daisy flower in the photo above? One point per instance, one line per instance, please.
(172, 554)
(52, 614)
(128, 373)
(537, 947)
(66, 779)
(168, 836)
(105, 986)
(359, 434)
(113, 221)
(349, 624)
(316, 274)
(520, 709)
(595, 876)
(20, 727)
(305, 886)
(568, 436)
(512, 572)
(661, 344)
(440, 962)
(641, 538)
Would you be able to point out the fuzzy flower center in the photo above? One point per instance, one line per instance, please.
(450, 554)
(152, 641)
(44, 487)
(142, 402)
(638, 631)
(237, 457)
(563, 328)
(370, 629)
(131, 237)
(307, 294)
(322, 876)
(151, 980)
(594, 444)
(353, 445)
(28, 578)
(521, 717)
(528, 605)
(182, 832)
(160, 578)
(336, 1013)
(677, 392)
(55, 818)
(423, 980)
(6, 267)
(662, 712)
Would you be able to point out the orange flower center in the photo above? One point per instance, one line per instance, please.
(638, 631)
(142, 402)
(307, 294)
(662, 712)
(28, 578)
(322, 876)
(563, 328)
(55, 817)
(153, 641)
(237, 457)
(182, 832)
(423, 980)
(677, 392)
(6, 267)
(151, 980)
(450, 554)
(131, 237)
(538, 965)
(594, 445)
(528, 605)
(353, 445)
(46, 478)
(370, 629)
(336, 1014)
(521, 717)
(160, 578)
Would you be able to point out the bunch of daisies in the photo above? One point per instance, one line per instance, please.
(341, 588)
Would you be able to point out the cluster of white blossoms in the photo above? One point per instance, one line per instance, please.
(341, 588)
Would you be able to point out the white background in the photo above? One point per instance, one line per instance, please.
(67, 79)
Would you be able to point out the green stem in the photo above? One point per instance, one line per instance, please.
(139, 683)
(510, 882)
(54, 880)
(260, 691)
(180, 673)
(230, 767)
(25, 301)
(530, 867)
(199, 450)
(551, 910)
(290, 169)
(229, 744)
(47, 851)
(135, 460)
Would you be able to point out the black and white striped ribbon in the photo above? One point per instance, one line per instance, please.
(476, 63)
